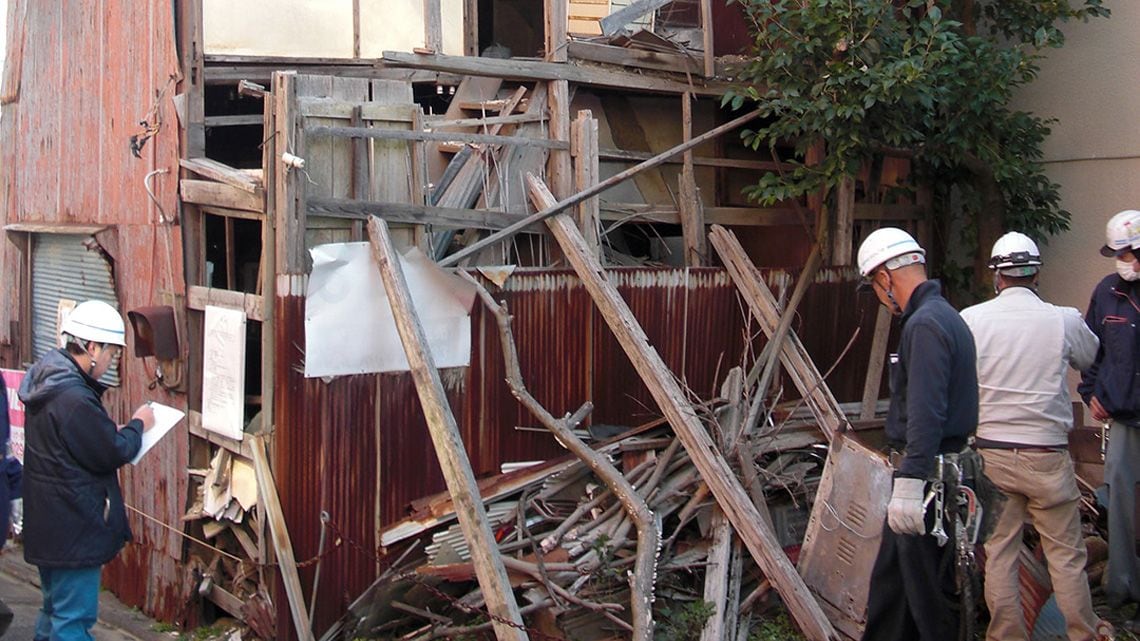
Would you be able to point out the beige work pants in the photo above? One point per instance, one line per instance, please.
(1042, 488)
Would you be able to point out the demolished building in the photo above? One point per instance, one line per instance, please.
(182, 160)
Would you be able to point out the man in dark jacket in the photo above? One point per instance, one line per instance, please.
(5, 497)
(1111, 389)
(933, 412)
(74, 517)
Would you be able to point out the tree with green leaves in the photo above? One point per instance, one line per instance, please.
(928, 80)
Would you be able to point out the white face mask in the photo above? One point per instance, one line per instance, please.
(1124, 268)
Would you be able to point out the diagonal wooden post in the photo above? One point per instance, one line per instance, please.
(489, 570)
(721, 480)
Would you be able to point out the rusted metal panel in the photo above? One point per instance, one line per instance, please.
(360, 445)
(92, 71)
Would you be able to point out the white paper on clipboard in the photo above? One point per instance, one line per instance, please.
(165, 417)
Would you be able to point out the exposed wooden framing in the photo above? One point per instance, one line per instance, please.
(618, 178)
(262, 69)
(689, 205)
(841, 238)
(628, 133)
(198, 298)
(795, 358)
(617, 20)
(471, 27)
(433, 26)
(559, 171)
(220, 172)
(194, 424)
(232, 213)
(269, 280)
(557, 17)
(234, 120)
(700, 161)
(584, 146)
(626, 57)
(207, 192)
(282, 545)
(225, 600)
(289, 218)
(707, 32)
(516, 69)
(399, 134)
(717, 573)
(415, 214)
(55, 228)
(445, 435)
(483, 123)
(228, 224)
(192, 85)
(736, 216)
(875, 366)
(355, 28)
(674, 404)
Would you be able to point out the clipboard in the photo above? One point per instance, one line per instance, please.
(165, 417)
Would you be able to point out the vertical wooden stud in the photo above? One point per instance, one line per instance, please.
(584, 148)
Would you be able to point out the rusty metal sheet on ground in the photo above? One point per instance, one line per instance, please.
(844, 531)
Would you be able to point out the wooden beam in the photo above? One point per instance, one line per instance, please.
(198, 298)
(875, 365)
(470, 27)
(289, 217)
(735, 216)
(282, 545)
(795, 358)
(557, 21)
(707, 31)
(208, 192)
(238, 120)
(674, 404)
(841, 238)
(445, 435)
(617, 20)
(516, 119)
(626, 57)
(581, 196)
(400, 134)
(717, 572)
(458, 218)
(691, 209)
(700, 161)
(584, 149)
(194, 425)
(223, 173)
(433, 26)
(517, 69)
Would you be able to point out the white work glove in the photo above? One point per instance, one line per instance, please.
(905, 514)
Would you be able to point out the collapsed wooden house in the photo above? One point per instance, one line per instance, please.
(602, 117)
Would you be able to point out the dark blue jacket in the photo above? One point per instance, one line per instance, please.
(1114, 377)
(5, 434)
(73, 506)
(934, 383)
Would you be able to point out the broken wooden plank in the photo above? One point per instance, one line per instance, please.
(584, 149)
(198, 297)
(448, 443)
(433, 26)
(673, 402)
(717, 574)
(438, 136)
(208, 192)
(482, 123)
(517, 69)
(875, 365)
(581, 196)
(404, 213)
(626, 57)
(795, 358)
(707, 34)
(221, 172)
(282, 545)
(689, 205)
(617, 20)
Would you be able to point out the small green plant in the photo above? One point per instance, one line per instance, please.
(775, 628)
(682, 621)
(163, 628)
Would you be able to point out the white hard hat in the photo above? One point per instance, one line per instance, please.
(889, 245)
(94, 320)
(1015, 254)
(1122, 232)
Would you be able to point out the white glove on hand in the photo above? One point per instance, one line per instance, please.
(905, 512)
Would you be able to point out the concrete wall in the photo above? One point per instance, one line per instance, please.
(323, 28)
(1090, 87)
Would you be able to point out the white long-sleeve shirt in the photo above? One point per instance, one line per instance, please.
(1024, 347)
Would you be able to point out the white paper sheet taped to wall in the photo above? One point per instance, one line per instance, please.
(349, 328)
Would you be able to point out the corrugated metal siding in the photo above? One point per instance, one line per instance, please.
(91, 71)
(62, 268)
(332, 440)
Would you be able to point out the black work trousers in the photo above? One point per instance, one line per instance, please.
(913, 594)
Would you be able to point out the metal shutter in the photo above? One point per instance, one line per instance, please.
(62, 268)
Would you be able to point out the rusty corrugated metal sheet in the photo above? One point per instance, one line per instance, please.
(90, 72)
(330, 438)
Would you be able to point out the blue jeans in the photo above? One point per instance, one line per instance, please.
(71, 603)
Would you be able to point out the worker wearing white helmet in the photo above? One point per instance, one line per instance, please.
(1025, 347)
(1111, 389)
(74, 517)
(933, 412)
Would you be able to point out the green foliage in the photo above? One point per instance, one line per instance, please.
(775, 628)
(681, 620)
(912, 78)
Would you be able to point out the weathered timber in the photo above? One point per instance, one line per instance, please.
(617, 20)
(841, 239)
(875, 365)
(701, 161)
(405, 213)
(690, 207)
(756, 535)
(596, 189)
(444, 431)
(208, 192)
(795, 358)
(438, 136)
(584, 149)
(516, 69)
(198, 297)
(627, 57)
(282, 545)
